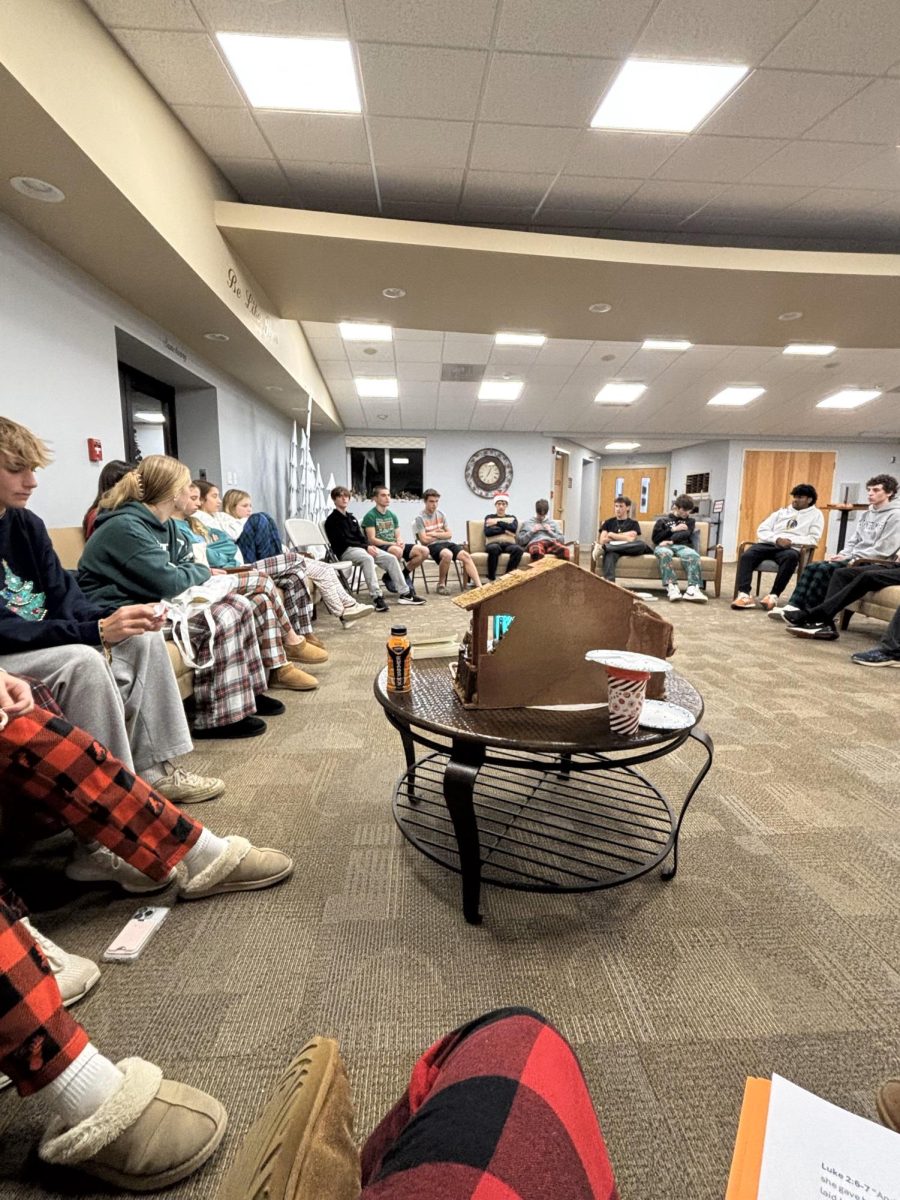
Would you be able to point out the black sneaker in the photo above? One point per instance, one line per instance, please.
(380, 605)
(410, 598)
(268, 706)
(799, 618)
(389, 583)
(826, 632)
(875, 658)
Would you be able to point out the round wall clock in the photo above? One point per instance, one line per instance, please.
(488, 471)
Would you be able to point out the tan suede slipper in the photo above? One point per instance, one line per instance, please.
(149, 1134)
(301, 1146)
(239, 868)
(307, 654)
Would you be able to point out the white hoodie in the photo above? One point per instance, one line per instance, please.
(802, 525)
(877, 535)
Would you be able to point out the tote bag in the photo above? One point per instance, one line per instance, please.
(187, 604)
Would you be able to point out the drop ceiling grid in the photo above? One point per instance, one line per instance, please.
(477, 113)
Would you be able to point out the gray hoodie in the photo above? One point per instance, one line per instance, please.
(877, 535)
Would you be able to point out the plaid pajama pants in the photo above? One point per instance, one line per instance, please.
(812, 586)
(289, 572)
(497, 1110)
(226, 691)
(269, 614)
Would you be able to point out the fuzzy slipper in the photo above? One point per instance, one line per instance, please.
(239, 868)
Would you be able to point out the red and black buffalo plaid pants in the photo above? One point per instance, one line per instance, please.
(497, 1110)
(544, 549)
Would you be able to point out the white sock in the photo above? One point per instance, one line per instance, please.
(155, 772)
(83, 1086)
(204, 852)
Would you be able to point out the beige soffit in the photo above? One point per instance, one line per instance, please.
(332, 267)
(138, 214)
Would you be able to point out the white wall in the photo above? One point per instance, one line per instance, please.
(693, 460)
(59, 376)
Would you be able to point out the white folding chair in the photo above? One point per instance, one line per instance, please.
(308, 535)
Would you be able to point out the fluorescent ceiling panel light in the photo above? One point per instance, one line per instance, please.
(383, 387)
(665, 97)
(400, 462)
(500, 389)
(666, 344)
(848, 398)
(735, 397)
(813, 349)
(353, 331)
(150, 418)
(519, 339)
(620, 393)
(299, 74)
(621, 445)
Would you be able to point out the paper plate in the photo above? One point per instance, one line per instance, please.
(657, 714)
(626, 661)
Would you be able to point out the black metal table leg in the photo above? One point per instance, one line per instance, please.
(409, 753)
(699, 735)
(459, 783)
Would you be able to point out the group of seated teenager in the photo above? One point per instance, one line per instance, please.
(673, 536)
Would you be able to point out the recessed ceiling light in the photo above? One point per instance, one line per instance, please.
(519, 339)
(274, 387)
(620, 393)
(500, 389)
(300, 74)
(621, 445)
(150, 418)
(735, 397)
(790, 316)
(813, 349)
(37, 189)
(216, 337)
(599, 308)
(666, 344)
(382, 416)
(380, 387)
(393, 293)
(665, 97)
(849, 398)
(353, 331)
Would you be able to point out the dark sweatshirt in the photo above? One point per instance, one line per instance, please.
(662, 530)
(41, 605)
(343, 530)
(134, 558)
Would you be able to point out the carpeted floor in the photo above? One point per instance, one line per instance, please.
(776, 948)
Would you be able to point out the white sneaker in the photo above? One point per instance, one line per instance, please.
(358, 610)
(777, 613)
(696, 594)
(673, 591)
(75, 976)
(102, 866)
(184, 787)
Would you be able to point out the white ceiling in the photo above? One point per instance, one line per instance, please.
(477, 111)
(563, 376)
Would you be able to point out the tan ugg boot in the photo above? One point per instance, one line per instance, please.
(315, 641)
(239, 868)
(149, 1134)
(307, 654)
(293, 679)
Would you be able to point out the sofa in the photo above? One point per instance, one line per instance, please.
(882, 604)
(643, 569)
(478, 548)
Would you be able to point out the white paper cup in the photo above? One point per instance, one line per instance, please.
(626, 693)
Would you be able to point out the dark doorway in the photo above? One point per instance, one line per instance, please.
(148, 415)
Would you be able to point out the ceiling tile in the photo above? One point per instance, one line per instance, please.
(717, 159)
(418, 372)
(426, 22)
(532, 89)
(839, 202)
(872, 115)
(327, 349)
(321, 182)
(729, 30)
(226, 133)
(812, 163)
(504, 188)
(562, 352)
(443, 214)
(419, 144)
(520, 147)
(879, 171)
(863, 37)
(287, 18)
(562, 227)
(495, 216)
(146, 14)
(185, 68)
(749, 200)
(315, 137)
(412, 81)
(644, 221)
(590, 192)
(515, 359)
(630, 155)
(669, 196)
(418, 414)
(255, 181)
(605, 28)
(322, 329)
(781, 104)
(418, 335)
(334, 372)
(363, 355)
(418, 352)
(409, 185)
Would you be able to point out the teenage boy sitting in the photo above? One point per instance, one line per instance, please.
(671, 538)
(383, 531)
(620, 536)
(541, 535)
(500, 529)
(780, 535)
(433, 532)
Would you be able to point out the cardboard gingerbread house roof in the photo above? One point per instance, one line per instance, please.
(514, 579)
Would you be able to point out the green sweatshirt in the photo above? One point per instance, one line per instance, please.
(134, 558)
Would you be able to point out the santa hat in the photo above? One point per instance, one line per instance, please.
(501, 496)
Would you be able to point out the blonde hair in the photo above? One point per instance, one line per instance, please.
(20, 446)
(232, 498)
(155, 479)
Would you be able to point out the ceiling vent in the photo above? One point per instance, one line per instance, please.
(462, 373)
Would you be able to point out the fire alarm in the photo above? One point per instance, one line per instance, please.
(95, 450)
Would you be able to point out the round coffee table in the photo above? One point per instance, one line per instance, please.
(543, 800)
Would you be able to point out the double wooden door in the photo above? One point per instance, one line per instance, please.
(767, 480)
(644, 486)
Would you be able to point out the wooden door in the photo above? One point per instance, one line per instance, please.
(768, 478)
(560, 485)
(644, 486)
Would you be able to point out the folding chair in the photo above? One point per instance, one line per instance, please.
(305, 535)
